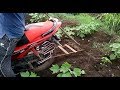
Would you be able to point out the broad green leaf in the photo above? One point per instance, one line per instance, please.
(105, 60)
(33, 75)
(82, 35)
(118, 56)
(65, 67)
(112, 56)
(55, 68)
(114, 49)
(118, 52)
(115, 45)
(24, 74)
(67, 74)
(77, 72)
(59, 75)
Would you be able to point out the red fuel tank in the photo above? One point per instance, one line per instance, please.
(36, 30)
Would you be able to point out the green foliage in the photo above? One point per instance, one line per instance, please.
(116, 39)
(103, 47)
(78, 72)
(55, 68)
(28, 74)
(115, 51)
(37, 17)
(87, 25)
(65, 70)
(65, 67)
(67, 74)
(111, 21)
(86, 29)
(105, 60)
(85, 18)
(81, 30)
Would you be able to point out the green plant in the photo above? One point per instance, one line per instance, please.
(65, 70)
(86, 29)
(115, 51)
(87, 25)
(68, 30)
(111, 21)
(103, 47)
(105, 60)
(81, 30)
(28, 74)
(37, 17)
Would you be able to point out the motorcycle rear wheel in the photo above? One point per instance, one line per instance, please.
(44, 66)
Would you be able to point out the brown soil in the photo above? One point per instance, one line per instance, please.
(89, 61)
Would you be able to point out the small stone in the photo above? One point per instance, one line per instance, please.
(118, 67)
(74, 62)
(113, 75)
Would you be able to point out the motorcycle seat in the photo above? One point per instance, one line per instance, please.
(24, 40)
(34, 24)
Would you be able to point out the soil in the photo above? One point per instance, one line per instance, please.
(89, 59)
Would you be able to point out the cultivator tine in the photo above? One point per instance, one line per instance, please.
(70, 48)
(60, 47)
(66, 52)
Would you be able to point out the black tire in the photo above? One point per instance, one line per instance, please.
(44, 66)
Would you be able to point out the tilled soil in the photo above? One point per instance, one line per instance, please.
(89, 59)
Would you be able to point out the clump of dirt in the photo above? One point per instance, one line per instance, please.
(100, 37)
(89, 59)
(69, 23)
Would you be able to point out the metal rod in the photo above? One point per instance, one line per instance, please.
(70, 48)
(66, 54)
(63, 50)
(66, 33)
(70, 37)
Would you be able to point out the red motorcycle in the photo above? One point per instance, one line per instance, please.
(35, 49)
